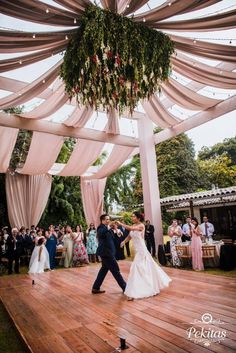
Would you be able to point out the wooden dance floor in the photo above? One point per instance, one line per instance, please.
(59, 315)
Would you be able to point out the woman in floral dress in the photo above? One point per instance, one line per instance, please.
(175, 233)
(80, 255)
(92, 243)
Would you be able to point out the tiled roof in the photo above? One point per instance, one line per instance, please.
(216, 193)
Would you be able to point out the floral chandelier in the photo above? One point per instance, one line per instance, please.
(113, 62)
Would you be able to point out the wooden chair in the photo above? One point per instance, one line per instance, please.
(60, 253)
(168, 255)
(3, 265)
(184, 253)
(208, 252)
(227, 241)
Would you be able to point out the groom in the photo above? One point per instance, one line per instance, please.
(106, 250)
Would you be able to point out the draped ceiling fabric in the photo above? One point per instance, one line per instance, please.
(8, 138)
(43, 152)
(194, 61)
(27, 197)
(92, 196)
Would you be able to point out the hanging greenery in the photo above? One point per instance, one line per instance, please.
(113, 62)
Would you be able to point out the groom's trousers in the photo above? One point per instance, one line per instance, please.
(109, 264)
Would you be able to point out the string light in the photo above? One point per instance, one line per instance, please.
(208, 38)
(20, 62)
(95, 120)
(127, 6)
(220, 11)
(44, 81)
(34, 35)
(75, 21)
(66, 37)
(144, 19)
(169, 4)
(47, 10)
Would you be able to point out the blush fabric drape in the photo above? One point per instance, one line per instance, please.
(84, 154)
(27, 197)
(92, 196)
(32, 89)
(117, 157)
(8, 138)
(43, 152)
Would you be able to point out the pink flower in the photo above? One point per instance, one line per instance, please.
(122, 80)
(118, 61)
(94, 59)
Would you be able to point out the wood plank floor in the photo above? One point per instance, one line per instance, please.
(59, 314)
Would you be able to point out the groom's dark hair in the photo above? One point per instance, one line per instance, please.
(103, 216)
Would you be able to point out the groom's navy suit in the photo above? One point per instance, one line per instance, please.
(106, 250)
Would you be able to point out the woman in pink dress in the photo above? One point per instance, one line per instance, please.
(196, 246)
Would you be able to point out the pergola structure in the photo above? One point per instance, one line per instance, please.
(200, 89)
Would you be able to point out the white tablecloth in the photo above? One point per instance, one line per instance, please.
(208, 262)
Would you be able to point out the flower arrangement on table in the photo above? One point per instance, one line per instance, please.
(112, 62)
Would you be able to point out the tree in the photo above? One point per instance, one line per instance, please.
(228, 146)
(64, 203)
(177, 169)
(118, 187)
(218, 171)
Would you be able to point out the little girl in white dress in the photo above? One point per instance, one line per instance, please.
(146, 278)
(39, 260)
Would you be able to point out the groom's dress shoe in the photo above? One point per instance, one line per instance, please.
(98, 291)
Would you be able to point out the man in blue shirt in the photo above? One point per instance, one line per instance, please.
(106, 250)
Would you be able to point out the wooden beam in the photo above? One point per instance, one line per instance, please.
(218, 110)
(62, 130)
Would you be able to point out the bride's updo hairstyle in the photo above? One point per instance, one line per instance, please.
(41, 241)
(139, 215)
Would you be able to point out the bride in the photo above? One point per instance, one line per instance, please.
(146, 277)
(40, 258)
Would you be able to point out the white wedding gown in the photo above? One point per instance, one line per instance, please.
(146, 278)
(36, 266)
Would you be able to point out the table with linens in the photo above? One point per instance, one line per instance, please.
(211, 262)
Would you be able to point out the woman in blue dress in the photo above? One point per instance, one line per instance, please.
(92, 243)
(51, 245)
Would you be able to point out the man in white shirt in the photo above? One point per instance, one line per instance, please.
(187, 227)
(207, 228)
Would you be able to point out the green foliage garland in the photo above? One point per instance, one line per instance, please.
(113, 62)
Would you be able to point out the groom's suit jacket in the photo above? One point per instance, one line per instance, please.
(106, 246)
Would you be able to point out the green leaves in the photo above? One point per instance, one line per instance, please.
(114, 62)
